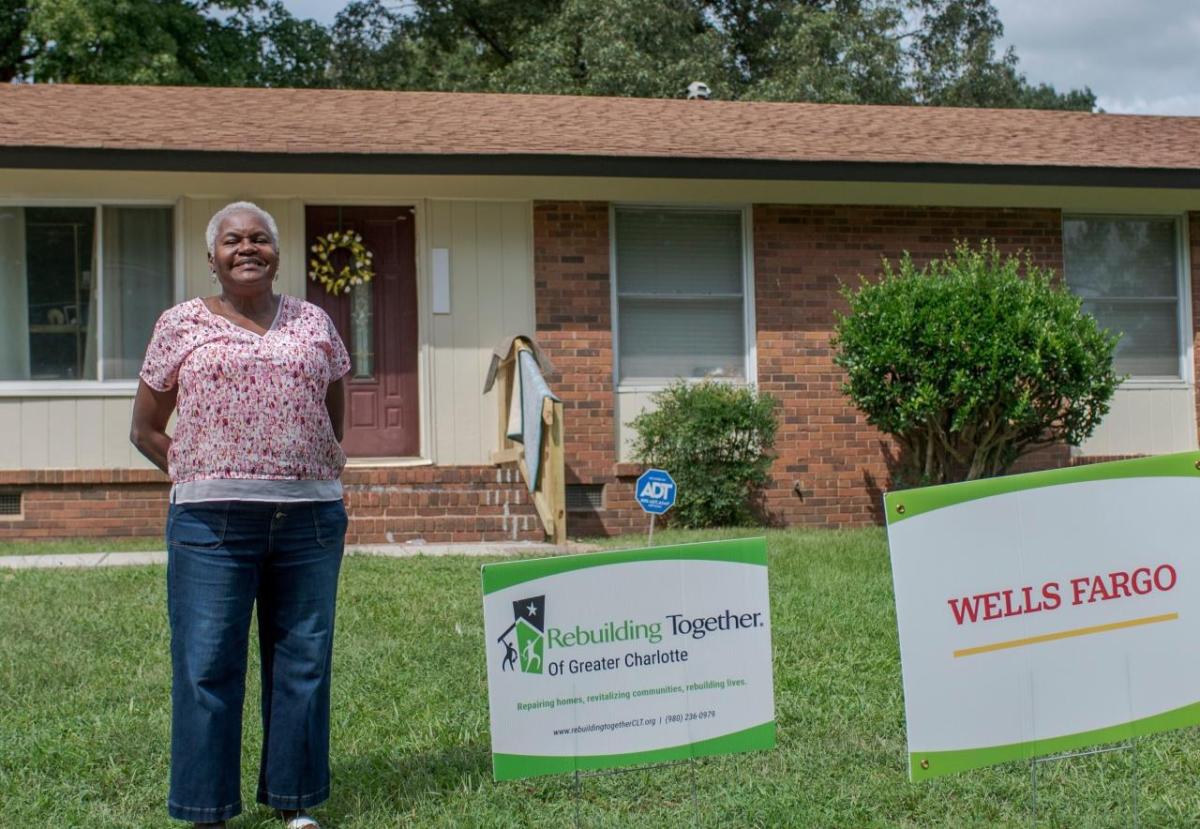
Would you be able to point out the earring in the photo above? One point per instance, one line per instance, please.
(212, 275)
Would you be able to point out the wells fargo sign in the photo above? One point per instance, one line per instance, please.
(1045, 612)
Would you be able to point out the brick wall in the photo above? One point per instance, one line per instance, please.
(573, 306)
(439, 504)
(832, 467)
(391, 504)
(115, 503)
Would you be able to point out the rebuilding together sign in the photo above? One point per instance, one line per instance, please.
(1046, 612)
(617, 658)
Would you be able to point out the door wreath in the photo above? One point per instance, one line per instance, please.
(357, 271)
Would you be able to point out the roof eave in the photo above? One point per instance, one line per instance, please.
(513, 164)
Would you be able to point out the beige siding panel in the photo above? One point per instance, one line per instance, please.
(1146, 421)
(114, 436)
(441, 381)
(517, 267)
(35, 434)
(196, 280)
(491, 296)
(464, 303)
(1183, 426)
(293, 248)
(89, 433)
(490, 267)
(630, 404)
(61, 423)
(10, 434)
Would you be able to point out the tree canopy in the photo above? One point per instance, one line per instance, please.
(925, 52)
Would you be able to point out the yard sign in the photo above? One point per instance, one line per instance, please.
(620, 658)
(1047, 612)
(655, 491)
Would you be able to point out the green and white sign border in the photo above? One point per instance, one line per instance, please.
(907, 504)
(505, 574)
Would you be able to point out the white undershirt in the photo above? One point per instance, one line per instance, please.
(255, 489)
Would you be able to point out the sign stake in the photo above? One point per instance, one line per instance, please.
(1130, 745)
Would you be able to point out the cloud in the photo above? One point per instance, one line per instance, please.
(1136, 57)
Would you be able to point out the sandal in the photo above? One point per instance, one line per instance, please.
(302, 822)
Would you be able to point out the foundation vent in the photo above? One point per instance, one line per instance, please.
(585, 497)
(10, 504)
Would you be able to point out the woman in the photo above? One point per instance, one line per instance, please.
(256, 518)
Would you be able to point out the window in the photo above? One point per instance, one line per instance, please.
(680, 295)
(1127, 271)
(83, 287)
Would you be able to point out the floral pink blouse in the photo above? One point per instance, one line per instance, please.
(249, 406)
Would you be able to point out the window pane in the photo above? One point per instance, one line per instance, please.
(1120, 257)
(668, 261)
(59, 271)
(362, 331)
(679, 252)
(50, 319)
(661, 340)
(138, 283)
(1149, 344)
(1127, 273)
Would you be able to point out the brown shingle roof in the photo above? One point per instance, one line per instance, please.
(288, 121)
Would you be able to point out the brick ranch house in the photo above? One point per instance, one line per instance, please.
(638, 240)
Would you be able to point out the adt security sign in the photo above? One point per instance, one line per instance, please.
(656, 491)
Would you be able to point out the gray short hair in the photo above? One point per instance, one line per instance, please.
(214, 224)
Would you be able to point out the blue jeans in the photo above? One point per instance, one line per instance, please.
(223, 558)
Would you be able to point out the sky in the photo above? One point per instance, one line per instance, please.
(1138, 57)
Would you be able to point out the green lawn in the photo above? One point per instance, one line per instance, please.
(82, 545)
(84, 680)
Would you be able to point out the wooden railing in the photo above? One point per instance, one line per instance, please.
(549, 496)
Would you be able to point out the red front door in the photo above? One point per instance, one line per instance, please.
(378, 323)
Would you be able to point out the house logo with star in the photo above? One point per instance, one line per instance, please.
(524, 641)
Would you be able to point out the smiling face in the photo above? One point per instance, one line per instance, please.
(244, 254)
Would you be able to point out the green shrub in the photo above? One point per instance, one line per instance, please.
(715, 439)
(969, 365)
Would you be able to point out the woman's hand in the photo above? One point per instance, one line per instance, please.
(335, 404)
(148, 432)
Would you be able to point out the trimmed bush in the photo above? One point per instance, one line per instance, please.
(715, 440)
(969, 365)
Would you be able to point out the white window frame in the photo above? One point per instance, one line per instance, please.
(749, 331)
(99, 387)
(1183, 287)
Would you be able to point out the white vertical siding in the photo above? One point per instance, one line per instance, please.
(35, 433)
(630, 404)
(89, 432)
(491, 297)
(60, 423)
(10, 433)
(68, 433)
(1146, 421)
